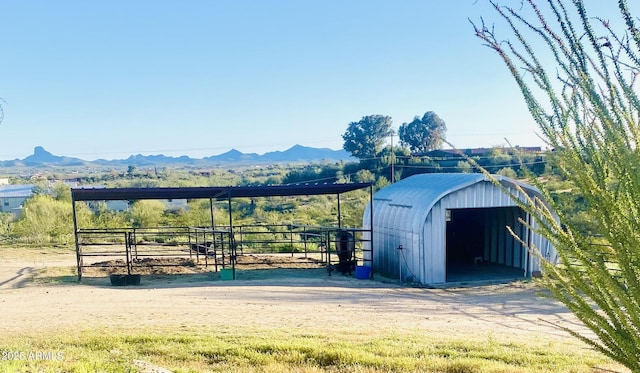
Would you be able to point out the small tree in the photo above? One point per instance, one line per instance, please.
(577, 75)
(464, 167)
(147, 213)
(5, 221)
(365, 176)
(61, 192)
(364, 139)
(46, 220)
(423, 134)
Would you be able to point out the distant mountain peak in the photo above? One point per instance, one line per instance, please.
(42, 157)
(39, 151)
(296, 154)
(233, 151)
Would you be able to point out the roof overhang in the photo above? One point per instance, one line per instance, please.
(117, 194)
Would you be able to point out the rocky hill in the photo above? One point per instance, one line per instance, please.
(295, 154)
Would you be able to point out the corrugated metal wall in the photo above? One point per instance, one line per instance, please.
(390, 237)
(416, 221)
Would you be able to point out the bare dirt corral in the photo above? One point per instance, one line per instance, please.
(185, 265)
(279, 299)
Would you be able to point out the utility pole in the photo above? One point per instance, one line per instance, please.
(393, 158)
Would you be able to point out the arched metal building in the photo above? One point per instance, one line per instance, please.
(438, 228)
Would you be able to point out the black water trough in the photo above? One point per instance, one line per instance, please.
(124, 280)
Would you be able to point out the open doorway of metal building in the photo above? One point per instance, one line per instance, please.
(480, 248)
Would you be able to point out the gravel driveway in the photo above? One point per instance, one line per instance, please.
(513, 311)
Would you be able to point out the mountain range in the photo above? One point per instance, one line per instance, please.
(295, 154)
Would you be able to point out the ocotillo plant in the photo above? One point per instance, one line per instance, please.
(577, 74)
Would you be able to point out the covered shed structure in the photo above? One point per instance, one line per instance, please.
(124, 243)
(438, 228)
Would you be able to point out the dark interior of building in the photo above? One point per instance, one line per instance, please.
(480, 248)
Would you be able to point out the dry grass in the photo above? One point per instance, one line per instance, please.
(274, 320)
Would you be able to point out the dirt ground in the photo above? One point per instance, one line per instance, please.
(277, 299)
(303, 300)
(190, 266)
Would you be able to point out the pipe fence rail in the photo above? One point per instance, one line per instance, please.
(128, 249)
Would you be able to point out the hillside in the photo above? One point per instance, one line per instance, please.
(295, 154)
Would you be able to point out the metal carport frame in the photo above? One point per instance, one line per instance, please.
(218, 193)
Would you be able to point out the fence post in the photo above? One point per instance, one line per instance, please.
(291, 239)
(127, 251)
(304, 230)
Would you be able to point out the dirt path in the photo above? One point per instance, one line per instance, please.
(17, 272)
(12, 277)
(511, 311)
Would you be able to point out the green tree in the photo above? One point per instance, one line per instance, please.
(508, 172)
(5, 222)
(147, 213)
(131, 170)
(61, 192)
(46, 220)
(577, 75)
(464, 167)
(381, 182)
(423, 134)
(105, 218)
(364, 139)
(365, 176)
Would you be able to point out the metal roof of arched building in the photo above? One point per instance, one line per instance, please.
(423, 191)
(416, 213)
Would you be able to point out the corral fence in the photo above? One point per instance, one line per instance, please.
(129, 249)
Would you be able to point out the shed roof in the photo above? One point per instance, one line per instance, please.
(411, 199)
(107, 194)
(426, 189)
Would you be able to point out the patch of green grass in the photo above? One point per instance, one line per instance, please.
(278, 350)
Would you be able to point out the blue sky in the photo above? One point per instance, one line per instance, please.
(107, 79)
